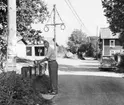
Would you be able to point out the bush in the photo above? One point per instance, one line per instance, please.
(121, 64)
(15, 90)
(116, 56)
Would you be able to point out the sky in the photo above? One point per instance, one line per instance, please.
(90, 12)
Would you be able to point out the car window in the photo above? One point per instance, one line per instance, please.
(108, 60)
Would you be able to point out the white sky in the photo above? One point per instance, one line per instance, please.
(89, 11)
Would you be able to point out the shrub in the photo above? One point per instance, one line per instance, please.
(15, 90)
(121, 64)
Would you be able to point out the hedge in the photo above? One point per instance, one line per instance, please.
(16, 90)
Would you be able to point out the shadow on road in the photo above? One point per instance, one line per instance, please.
(63, 67)
(86, 70)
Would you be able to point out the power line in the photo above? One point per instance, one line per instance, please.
(82, 24)
(72, 11)
(75, 14)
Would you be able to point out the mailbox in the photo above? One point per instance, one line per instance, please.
(33, 71)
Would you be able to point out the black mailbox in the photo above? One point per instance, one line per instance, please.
(33, 71)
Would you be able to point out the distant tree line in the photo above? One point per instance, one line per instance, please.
(81, 44)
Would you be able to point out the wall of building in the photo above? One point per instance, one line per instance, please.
(21, 49)
(107, 42)
(107, 48)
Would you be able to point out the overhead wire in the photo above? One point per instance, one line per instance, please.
(76, 15)
(82, 24)
(72, 11)
(62, 25)
(59, 15)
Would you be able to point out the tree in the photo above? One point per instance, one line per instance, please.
(15, 90)
(90, 50)
(76, 39)
(81, 50)
(28, 12)
(114, 11)
(93, 47)
(3, 29)
(3, 15)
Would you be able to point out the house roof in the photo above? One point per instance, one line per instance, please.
(49, 39)
(106, 33)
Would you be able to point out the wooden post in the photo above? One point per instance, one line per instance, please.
(11, 48)
(54, 23)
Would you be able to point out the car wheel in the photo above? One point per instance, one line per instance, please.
(100, 69)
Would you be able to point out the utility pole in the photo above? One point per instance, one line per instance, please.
(97, 41)
(54, 25)
(11, 47)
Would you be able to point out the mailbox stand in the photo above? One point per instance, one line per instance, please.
(33, 71)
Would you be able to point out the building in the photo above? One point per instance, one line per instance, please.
(32, 51)
(109, 42)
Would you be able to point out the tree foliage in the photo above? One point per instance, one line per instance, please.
(3, 29)
(76, 39)
(14, 90)
(81, 44)
(28, 12)
(114, 11)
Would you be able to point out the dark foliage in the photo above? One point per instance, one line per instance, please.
(114, 11)
(90, 50)
(121, 65)
(15, 90)
(28, 12)
(76, 39)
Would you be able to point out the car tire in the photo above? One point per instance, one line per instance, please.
(100, 69)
